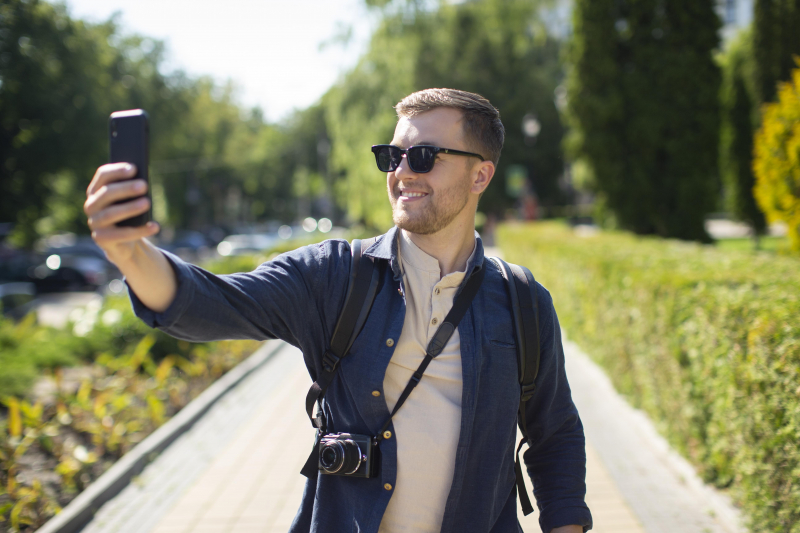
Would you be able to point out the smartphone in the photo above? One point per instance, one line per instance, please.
(128, 142)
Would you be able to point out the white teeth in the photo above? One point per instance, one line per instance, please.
(413, 194)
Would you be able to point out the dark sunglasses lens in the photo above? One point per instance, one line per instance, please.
(421, 158)
(388, 157)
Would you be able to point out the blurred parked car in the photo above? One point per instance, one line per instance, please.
(65, 271)
(245, 244)
(77, 265)
(189, 245)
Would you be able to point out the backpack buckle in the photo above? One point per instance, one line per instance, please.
(330, 361)
(527, 392)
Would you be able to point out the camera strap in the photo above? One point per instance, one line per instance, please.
(525, 306)
(362, 286)
(439, 340)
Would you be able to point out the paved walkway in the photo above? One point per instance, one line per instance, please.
(237, 470)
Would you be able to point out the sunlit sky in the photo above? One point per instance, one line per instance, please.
(274, 50)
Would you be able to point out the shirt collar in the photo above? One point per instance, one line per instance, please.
(386, 247)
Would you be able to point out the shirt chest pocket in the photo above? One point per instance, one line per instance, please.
(500, 356)
(503, 343)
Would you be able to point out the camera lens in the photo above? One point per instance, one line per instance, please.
(340, 455)
(331, 457)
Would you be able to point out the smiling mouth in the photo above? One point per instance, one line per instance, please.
(411, 194)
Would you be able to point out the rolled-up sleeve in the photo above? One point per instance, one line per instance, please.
(556, 457)
(283, 298)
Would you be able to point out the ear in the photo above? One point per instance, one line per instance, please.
(481, 176)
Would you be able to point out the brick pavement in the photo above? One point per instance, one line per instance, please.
(237, 469)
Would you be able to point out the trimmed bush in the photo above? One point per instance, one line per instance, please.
(707, 342)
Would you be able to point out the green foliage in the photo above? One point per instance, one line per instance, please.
(216, 167)
(212, 162)
(131, 379)
(87, 426)
(736, 132)
(707, 342)
(777, 158)
(643, 97)
(499, 49)
(26, 349)
(234, 263)
(775, 40)
(61, 79)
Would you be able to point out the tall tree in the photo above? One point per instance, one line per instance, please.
(643, 103)
(46, 61)
(497, 48)
(738, 123)
(212, 162)
(776, 39)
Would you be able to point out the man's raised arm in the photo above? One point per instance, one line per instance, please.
(145, 268)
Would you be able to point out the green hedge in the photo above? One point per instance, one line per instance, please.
(706, 341)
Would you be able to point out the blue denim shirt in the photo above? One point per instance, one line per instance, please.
(298, 296)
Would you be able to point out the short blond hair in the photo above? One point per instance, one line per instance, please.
(483, 130)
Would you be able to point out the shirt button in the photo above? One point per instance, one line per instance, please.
(436, 290)
(435, 321)
(389, 342)
(388, 486)
(387, 434)
(376, 393)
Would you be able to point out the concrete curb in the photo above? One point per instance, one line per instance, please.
(80, 511)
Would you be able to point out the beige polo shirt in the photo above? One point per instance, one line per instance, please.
(428, 424)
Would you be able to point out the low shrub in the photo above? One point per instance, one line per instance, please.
(707, 342)
(27, 348)
(234, 263)
(111, 381)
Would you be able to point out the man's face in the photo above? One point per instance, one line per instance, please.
(426, 203)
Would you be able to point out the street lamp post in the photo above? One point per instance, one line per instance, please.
(531, 128)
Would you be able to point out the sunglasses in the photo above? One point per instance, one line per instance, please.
(420, 158)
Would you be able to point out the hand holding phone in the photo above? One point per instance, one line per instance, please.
(117, 200)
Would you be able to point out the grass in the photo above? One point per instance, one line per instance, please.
(746, 244)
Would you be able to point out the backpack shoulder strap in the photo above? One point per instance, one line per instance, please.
(362, 286)
(525, 306)
(361, 289)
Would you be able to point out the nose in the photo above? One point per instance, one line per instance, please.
(403, 171)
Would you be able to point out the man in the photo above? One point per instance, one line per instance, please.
(447, 461)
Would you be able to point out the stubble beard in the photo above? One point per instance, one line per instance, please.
(441, 209)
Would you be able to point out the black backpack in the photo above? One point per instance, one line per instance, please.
(362, 286)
